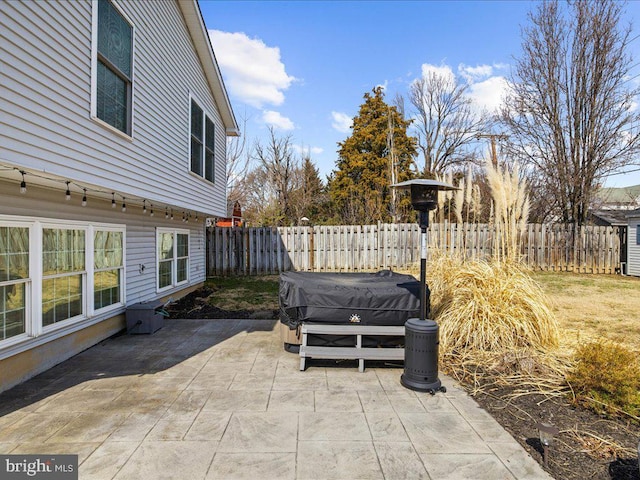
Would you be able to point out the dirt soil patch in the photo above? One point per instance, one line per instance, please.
(588, 445)
(198, 304)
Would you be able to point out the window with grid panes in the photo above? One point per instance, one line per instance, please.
(75, 259)
(114, 80)
(63, 274)
(209, 157)
(173, 257)
(202, 152)
(182, 257)
(108, 268)
(15, 283)
(197, 137)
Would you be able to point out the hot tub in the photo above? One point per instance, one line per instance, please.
(382, 298)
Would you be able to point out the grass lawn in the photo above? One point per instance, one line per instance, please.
(594, 306)
(245, 293)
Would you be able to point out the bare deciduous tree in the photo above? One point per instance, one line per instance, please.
(278, 165)
(282, 187)
(446, 123)
(260, 207)
(238, 164)
(570, 114)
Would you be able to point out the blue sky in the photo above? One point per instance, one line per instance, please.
(304, 66)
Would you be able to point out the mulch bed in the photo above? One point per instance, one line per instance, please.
(588, 446)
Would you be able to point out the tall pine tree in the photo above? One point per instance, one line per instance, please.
(309, 198)
(377, 153)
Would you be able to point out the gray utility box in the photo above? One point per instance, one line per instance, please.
(144, 317)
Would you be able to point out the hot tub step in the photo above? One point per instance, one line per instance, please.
(350, 352)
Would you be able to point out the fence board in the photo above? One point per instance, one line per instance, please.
(258, 251)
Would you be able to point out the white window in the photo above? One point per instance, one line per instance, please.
(108, 268)
(173, 257)
(57, 274)
(15, 283)
(202, 143)
(64, 275)
(113, 67)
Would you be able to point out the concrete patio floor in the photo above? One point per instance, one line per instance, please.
(221, 399)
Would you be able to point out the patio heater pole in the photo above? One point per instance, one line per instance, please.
(421, 334)
(424, 224)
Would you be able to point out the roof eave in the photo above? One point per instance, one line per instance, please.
(198, 31)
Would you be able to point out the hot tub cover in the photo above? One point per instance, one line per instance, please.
(382, 298)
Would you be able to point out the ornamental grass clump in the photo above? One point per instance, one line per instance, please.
(492, 315)
(488, 307)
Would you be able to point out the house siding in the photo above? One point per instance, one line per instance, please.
(140, 238)
(35, 355)
(45, 98)
(633, 250)
(46, 129)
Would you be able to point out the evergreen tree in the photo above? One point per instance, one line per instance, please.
(309, 197)
(378, 153)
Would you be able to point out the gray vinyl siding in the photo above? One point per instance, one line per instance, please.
(140, 237)
(45, 98)
(633, 250)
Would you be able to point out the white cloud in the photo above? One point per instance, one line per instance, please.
(486, 87)
(489, 93)
(252, 70)
(441, 71)
(481, 72)
(276, 120)
(304, 150)
(384, 85)
(341, 122)
(473, 74)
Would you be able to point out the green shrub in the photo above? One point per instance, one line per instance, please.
(606, 378)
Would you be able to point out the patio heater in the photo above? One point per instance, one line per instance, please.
(421, 334)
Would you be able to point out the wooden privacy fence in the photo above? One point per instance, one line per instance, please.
(271, 250)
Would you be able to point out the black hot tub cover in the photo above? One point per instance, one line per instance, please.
(382, 298)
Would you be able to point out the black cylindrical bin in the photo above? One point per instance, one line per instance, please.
(421, 356)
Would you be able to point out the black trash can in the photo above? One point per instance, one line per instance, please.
(421, 356)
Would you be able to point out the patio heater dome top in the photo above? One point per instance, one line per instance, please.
(424, 192)
(425, 183)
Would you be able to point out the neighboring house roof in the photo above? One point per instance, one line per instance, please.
(633, 213)
(202, 44)
(619, 196)
(614, 218)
